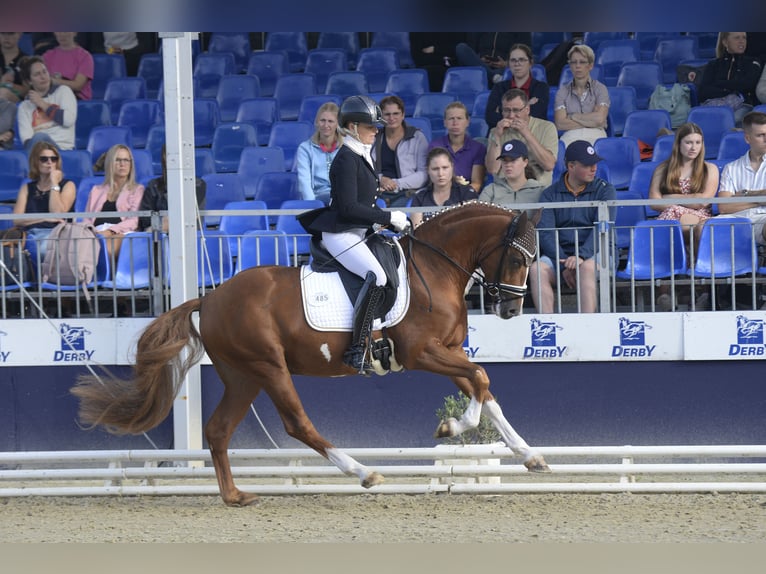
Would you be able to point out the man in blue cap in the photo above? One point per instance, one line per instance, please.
(568, 242)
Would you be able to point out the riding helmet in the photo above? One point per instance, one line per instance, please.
(359, 109)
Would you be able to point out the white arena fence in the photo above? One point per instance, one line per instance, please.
(465, 469)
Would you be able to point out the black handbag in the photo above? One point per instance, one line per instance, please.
(16, 261)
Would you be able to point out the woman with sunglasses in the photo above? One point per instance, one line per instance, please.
(47, 192)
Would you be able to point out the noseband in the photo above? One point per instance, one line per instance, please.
(525, 246)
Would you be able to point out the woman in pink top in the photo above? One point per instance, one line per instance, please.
(118, 193)
(70, 64)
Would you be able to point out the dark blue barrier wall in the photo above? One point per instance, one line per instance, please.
(548, 404)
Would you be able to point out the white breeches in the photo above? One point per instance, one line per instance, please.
(349, 248)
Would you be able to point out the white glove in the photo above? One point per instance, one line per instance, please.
(399, 220)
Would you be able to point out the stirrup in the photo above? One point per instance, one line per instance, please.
(354, 358)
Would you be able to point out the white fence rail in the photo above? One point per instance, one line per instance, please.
(478, 469)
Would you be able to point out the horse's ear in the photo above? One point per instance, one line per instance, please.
(537, 216)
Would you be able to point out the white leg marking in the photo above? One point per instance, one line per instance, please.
(470, 418)
(325, 350)
(348, 465)
(512, 439)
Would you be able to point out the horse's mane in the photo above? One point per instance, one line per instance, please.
(462, 210)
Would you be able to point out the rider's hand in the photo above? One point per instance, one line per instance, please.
(399, 220)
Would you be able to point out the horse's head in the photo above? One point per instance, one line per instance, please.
(507, 264)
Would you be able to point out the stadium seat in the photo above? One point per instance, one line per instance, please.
(733, 146)
(714, 121)
(288, 136)
(647, 42)
(408, 85)
(670, 51)
(236, 43)
(346, 41)
(290, 91)
(228, 141)
(663, 147)
(720, 238)
(323, 62)
(644, 125)
(140, 116)
(134, 267)
(622, 102)
(276, 187)
(204, 162)
(90, 114)
(14, 168)
(222, 188)
(465, 82)
(311, 104)
(706, 43)
(143, 167)
(400, 41)
(597, 73)
(594, 39)
(612, 54)
(261, 113)
(539, 73)
(478, 128)
(293, 43)
(268, 66)
(150, 68)
(345, 84)
(120, 89)
(256, 160)
(658, 251)
(263, 247)
(207, 116)
(376, 63)
(626, 217)
(560, 166)
(232, 90)
(83, 191)
(207, 71)
(431, 106)
(621, 154)
(106, 67)
(423, 124)
(298, 240)
(155, 139)
(540, 39)
(103, 137)
(214, 262)
(644, 77)
(480, 105)
(75, 163)
(234, 226)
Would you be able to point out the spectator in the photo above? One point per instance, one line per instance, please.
(540, 137)
(581, 107)
(520, 63)
(760, 88)
(118, 193)
(489, 49)
(12, 87)
(314, 156)
(49, 112)
(513, 185)
(71, 65)
(443, 188)
(467, 153)
(46, 192)
(567, 243)
(155, 197)
(399, 155)
(132, 45)
(746, 177)
(731, 78)
(7, 123)
(435, 52)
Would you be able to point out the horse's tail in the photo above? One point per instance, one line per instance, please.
(141, 403)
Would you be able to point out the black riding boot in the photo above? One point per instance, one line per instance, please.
(364, 314)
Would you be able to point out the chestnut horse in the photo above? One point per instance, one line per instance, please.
(256, 337)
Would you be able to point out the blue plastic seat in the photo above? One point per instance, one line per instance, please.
(733, 146)
(644, 77)
(208, 70)
(622, 102)
(714, 121)
(134, 266)
(726, 248)
(408, 85)
(229, 139)
(627, 217)
(323, 62)
(155, 139)
(663, 147)
(76, 164)
(645, 124)
(268, 66)
(143, 167)
(222, 188)
(400, 41)
(261, 113)
(276, 187)
(346, 41)
(706, 43)
(288, 136)
(150, 68)
(376, 63)
(540, 39)
(232, 90)
(14, 168)
(648, 41)
(298, 240)
(431, 106)
(345, 84)
(234, 226)
(657, 251)
(140, 116)
(612, 54)
(290, 91)
(263, 247)
(311, 104)
(106, 67)
(423, 124)
(103, 137)
(90, 114)
(83, 191)
(640, 179)
(479, 109)
(294, 43)
(465, 82)
(594, 39)
(235, 43)
(621, 154)
(478, 128)
(207, 117)
(119, 90)
(560, 167)
(204, 163)
(539, 73)
(254, 162)
(214, 262)
(670, 51)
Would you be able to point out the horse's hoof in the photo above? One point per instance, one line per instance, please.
(445, 428)
(373, 479)
(242, 499)
(537, 464)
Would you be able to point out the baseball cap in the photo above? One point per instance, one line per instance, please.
(582, 151)
(513, 149)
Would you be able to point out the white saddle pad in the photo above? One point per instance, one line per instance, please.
(327, 307)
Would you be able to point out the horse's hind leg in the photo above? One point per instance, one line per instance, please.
(532, 460)
(298, 425)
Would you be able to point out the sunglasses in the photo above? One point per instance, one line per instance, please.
(48, 158)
